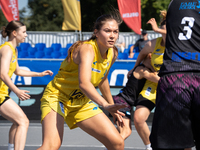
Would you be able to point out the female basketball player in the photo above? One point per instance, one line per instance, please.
(16, 32)
(70, 96)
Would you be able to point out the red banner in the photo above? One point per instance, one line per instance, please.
(10, 9)
(130, 11)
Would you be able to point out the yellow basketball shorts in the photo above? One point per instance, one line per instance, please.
(149, 91)
(72, 112)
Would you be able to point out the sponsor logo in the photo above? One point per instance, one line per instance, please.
(94, 63)
(13, 6)
(130, 15)
(158, 50)
(76, 94)
(159, 54)
(188, 5)
(148, 91)
(14, 61)
(198, 5)
(62, 107)
(96, 70)
(95, 108)
(178, 56)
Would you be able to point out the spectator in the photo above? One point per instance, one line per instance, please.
(139, 43)
(120, 43)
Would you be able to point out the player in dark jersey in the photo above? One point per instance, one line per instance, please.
(177, 114)
(129, 94)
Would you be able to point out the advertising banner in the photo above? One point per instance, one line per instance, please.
(116, 77)
(72, 15)
(10, 9)
(130, 11)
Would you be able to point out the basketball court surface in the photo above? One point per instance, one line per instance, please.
(75, 139)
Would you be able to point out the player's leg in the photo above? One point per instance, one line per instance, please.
(100, 127)
(52, 131)
(141, 115)
(11, 111)
(172, 116)
(12, 133)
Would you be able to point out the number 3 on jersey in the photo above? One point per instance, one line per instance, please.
(188, 29)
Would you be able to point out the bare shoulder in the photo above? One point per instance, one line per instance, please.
(5, 50)
(82, 52)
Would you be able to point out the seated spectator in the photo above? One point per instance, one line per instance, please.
(139, 43)
(120, 44)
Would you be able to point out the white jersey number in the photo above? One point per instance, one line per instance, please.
(187, 28)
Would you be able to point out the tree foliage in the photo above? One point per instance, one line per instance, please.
(151, 9)
(48, 15)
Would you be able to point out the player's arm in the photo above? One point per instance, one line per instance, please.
(26, 73)
(5, 60)
(148, 48)
(84, 59)
(143, 72)
(155, 27)
(104, 85)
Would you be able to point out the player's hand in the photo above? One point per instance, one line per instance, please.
(153, 23)
(46, 72)
(118, 119)
(22, 95)
(129, 73)
(114, 110)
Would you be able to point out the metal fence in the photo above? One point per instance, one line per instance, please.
(70, 37)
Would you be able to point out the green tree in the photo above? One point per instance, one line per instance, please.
(151, 9)
(3, 20)
(46, 15)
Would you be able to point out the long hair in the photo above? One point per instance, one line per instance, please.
(13, 25)
(113, 15)
(163, 14)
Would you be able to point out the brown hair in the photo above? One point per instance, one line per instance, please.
(114, 15)
(13, 25)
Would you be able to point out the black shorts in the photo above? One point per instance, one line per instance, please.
(118, 99)
(6, 98)
(145, 102)
(176, 122)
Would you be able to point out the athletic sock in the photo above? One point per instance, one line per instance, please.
(148, 147)
(10, 146)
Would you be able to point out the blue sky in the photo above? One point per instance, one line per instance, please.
(22, 4)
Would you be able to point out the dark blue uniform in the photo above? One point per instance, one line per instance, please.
(177, 114)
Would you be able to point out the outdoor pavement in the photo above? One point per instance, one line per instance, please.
(75, 139)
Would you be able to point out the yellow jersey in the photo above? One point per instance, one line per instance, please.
(12, 68)
(157, 55)
(66, 82)
(149, 89)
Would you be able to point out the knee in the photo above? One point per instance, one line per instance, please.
(120, 144)
(23, 121)
(138, 120)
